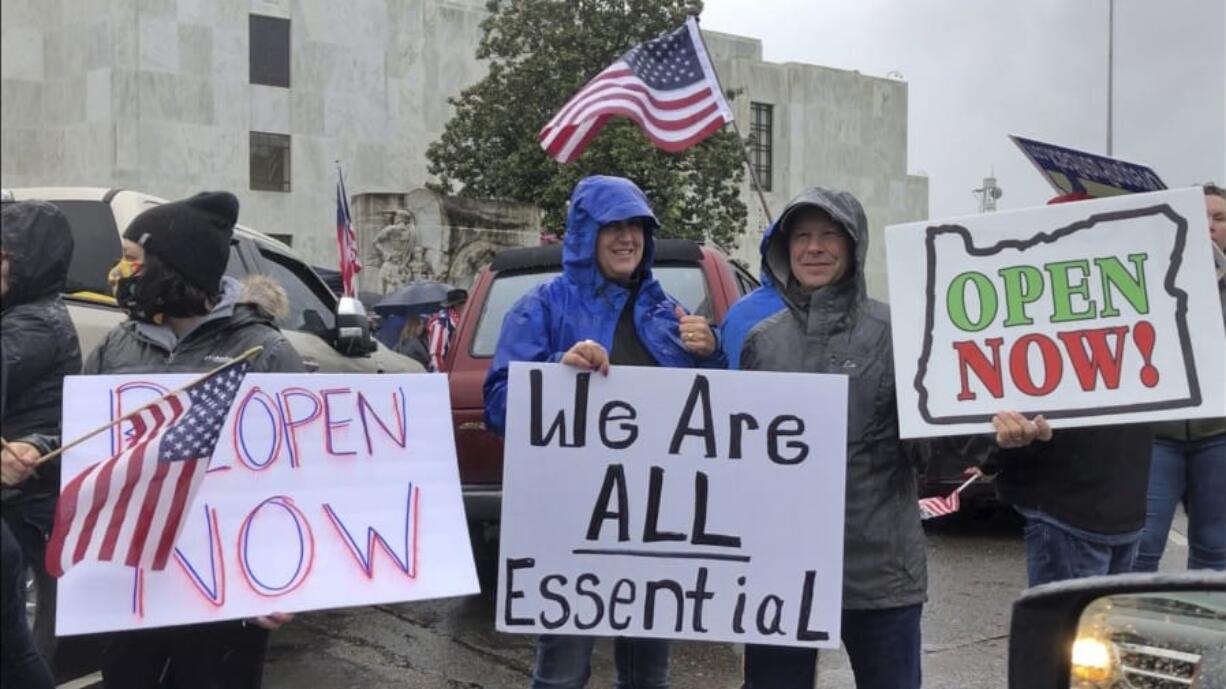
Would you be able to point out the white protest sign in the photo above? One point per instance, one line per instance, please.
(674, 503)
(1091, 313)
(324, 491)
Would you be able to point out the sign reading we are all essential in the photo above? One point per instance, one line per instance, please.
(674, 503)
(324, 491)
(1091, 312)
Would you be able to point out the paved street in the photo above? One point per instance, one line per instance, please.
(975, 571)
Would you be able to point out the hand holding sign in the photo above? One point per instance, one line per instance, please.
(588, 355)
(1015, 430)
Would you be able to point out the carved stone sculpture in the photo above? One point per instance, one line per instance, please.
(394, 245)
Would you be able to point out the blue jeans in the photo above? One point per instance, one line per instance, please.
(565, 662)
(1056, 552)
(1195, 470)
(883, 645)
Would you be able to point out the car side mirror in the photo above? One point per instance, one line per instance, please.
(353, 336)
(1133, 630)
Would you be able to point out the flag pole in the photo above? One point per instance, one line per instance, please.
(57, 452)
(740, 144)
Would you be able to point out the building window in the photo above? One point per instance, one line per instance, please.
(760, 143)
(268, 50)
(270, 161)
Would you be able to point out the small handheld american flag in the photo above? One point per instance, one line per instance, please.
(941, 506)
(666, 85)
(130, 507)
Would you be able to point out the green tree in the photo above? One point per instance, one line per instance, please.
(540, 52)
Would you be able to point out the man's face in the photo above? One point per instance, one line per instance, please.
(1215, 210)
(819, 250)
(619, 248)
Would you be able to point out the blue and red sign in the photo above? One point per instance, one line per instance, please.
(1077, 172)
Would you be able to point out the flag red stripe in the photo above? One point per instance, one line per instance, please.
(583, 142)
(593, 83)
(135, 463)
(637, 89)
(66, 512)
(144, 518)
(617, 105)
(111, 536)
(671, 146)
(102, 487)
(678, 146)
(177, 508)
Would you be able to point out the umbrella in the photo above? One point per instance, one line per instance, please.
(414, 299)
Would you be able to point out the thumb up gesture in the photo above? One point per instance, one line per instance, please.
(695, 333)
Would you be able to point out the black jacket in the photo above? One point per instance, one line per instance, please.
(1092, 479)
(39, 342)
(231, 329)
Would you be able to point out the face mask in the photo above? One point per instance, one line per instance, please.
(125, 280)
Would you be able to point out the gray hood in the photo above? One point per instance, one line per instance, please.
(842, 297)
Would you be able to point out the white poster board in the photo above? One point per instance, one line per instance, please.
(325, 491)
(1091, 313)
(674, 503)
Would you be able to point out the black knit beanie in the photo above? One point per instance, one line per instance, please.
(191, 236)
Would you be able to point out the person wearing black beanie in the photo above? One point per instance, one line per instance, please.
(186, 316)
(191, 236)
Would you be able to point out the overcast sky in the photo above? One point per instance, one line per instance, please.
(979, 70)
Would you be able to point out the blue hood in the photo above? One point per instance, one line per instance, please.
(582, 304)
(764, 273)
(596, 202)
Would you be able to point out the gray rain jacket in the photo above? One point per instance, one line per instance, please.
(838, 329)
(233, 327)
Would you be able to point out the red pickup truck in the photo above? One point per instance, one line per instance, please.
(702, 278)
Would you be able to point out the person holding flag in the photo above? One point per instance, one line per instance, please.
(186, 316)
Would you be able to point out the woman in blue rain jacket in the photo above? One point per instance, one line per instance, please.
(604, 309)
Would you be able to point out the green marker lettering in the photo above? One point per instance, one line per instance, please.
(1023, 285)
(955, 301)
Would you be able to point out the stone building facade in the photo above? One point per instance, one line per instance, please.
(262, 97)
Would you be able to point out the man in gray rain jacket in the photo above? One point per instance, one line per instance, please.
(816, 259)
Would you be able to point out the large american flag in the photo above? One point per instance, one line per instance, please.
(130, 507)
(346, 239)
(666, 85)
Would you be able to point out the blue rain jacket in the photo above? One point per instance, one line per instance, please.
(752, 308)
(582, 304)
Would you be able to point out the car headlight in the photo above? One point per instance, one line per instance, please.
(1093, 661)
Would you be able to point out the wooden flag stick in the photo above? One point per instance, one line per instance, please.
(247, 355)
(967, 482)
